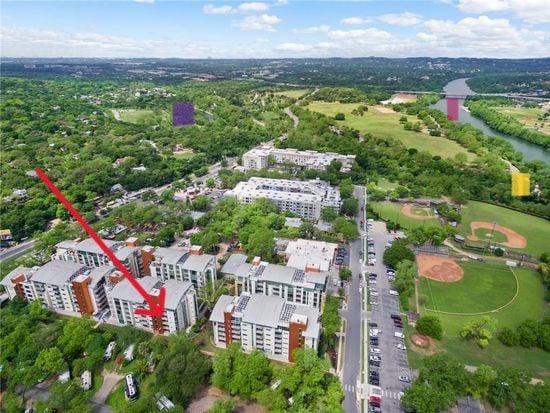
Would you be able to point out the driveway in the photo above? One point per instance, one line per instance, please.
(109, 381)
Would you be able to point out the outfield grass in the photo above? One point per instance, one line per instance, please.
(293, 93)
(386, 125)
(535, 230)
(528, 304)
(527, 116)
(484, 287)
(486, 234)
(391, 211)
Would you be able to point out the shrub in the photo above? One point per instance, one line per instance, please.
(431, 326)
(508, 337)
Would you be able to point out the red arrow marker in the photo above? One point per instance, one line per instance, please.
(156, 304)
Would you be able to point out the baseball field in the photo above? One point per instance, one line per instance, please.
(407, 215)
(485, 223)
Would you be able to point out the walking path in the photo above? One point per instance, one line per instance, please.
(110, 379)
(293, 116)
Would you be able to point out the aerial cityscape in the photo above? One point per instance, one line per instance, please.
(275, 206)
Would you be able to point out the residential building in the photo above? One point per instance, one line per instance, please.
(18, 283)
(260, 158)
(304, 198)
(303, 254)
(266, 323)
(293, 285)
(189, 264)
(180, 310)
(61, 286)
(88, 253)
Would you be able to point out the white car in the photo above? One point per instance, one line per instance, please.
(393, 292)
(402, 347)
(375, 358)
(375, 350)
(372, 281)
(374, 302)
(405, 379)
(373, 334)
(375, 330)
(374, 293)
(399, 335)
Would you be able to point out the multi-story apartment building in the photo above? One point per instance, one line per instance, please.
(267, 323)
(304, 253)
(293, 285)
(17, 283)
(259, 158)
(180, 309)
(88, 253)
(305, 198)
(190, 264)
(61, 286)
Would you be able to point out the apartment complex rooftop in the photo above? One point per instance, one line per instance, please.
(284, 189)
(268, 311)
(185, 258)
(120, 249)
(302, 253)
(175, 290)
(311, 159)
(59, 272)
(19, 271)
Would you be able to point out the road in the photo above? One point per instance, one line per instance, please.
(351, 368)
(394, 361)
(17, 250)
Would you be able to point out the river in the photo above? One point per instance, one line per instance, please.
(529, 150)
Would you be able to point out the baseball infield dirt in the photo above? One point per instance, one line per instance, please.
(515, 240)
(439, 268)
(407, 211)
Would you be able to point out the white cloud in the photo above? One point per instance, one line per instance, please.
(400, 19)
(259, 22)
(144, 1)
(253, 7)
(294, 47)
(355, 20)
(359, 35)
(323, 28)
(281, 2)
(262, 40)
(532, 11)
(211, 9)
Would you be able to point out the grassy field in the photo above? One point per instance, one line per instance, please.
(183, 155)
(392, 211)
(385, 185)
(138, 115)
(527, 116)
(484, 287)
(535, 230)
(386, 125)
(293, 93)
(529, 303)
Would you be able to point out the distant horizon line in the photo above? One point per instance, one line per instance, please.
(271, 58)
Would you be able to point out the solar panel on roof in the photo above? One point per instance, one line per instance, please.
(287, 312)
(299, 276)
(243, 303)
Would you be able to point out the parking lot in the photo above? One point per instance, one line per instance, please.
(388, 365)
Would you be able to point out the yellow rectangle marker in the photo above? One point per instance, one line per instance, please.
(520, 184)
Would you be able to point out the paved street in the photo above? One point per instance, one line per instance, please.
(394, 361)
(17, 250)
(351, 366)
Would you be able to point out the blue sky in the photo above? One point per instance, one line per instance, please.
(278, 28)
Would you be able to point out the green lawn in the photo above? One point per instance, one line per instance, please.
(392, 211)
(535, 230)
(139, 115)
(527, 116)
(386, 185)
(183, 155)
(487, 234)
(293, 93)
(117, 401)
(484, 287)
(529, 303)
(386, 125)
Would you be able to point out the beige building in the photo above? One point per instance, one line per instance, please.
(259, 158)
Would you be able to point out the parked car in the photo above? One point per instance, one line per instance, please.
(374, 293)
(375, 358)
(402, 347)
(405, 379)
(371, 324)
(375, 350)
(399, 335)
(393, 292)
(395, 316)
(374, 363)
